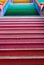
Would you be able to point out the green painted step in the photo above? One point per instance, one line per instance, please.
(21, 10)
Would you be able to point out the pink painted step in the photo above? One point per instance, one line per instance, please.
(21, 33)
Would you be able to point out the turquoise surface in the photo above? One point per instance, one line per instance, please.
(21, 9)
(41, 1)
(21, 6)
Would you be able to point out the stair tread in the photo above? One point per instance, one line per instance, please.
(25, 36)
(21, 57)
(21, 31)
(24, 19)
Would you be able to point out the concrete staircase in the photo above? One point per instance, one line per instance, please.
(21, 41)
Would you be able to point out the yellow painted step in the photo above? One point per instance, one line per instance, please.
(21, 1)
(2, 1)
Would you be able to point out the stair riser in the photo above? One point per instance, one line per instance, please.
(7, 46)
(24, 24)
(22, 27)
(21, 22)
(22, 53)
(22, 41)
(22, 62)
(24, 36)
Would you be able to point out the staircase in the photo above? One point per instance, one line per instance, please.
(21, 41)
(21, 9)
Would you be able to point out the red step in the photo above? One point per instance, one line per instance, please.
(25, 61)
(21, 41)
(21, 52)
